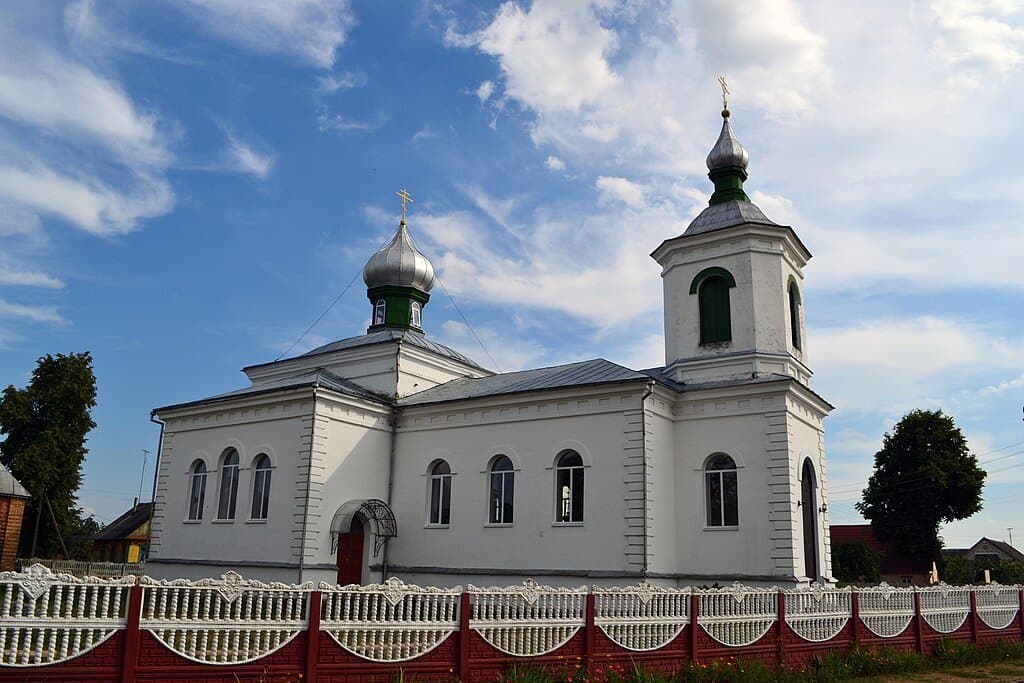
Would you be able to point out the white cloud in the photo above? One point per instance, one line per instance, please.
(12, 274)
(1003, 387)
(333, 83)
(979, 37)
(553, 54)
(554, 163)
(424, 133)
(485, 90)
(890, 366)
(501, 352)
(241, 157)
(333, 121)
(38, 314)
(310, 30)
(620, 189)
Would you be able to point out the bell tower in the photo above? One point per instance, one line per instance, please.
(733, 284)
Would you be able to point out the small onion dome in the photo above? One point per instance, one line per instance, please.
(727, 152)
(400, 264)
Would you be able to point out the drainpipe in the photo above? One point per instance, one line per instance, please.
(643, 447)
(391, 454)
(309, 485)
(156, 476)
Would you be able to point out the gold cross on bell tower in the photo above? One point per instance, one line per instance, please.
(725, 92)
(406, 198)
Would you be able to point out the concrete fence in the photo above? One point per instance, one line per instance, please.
(59, 627)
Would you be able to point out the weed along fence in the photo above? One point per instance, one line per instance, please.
(58, 627)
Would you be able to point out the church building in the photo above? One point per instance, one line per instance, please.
(388, 454)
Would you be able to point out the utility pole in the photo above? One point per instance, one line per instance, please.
(1009, 530)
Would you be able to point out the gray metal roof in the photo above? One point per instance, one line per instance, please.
(399, 263)
(726, 215)
(727, 152)
(307, 378)
(584, 373)
(417, 339)
(9, 486)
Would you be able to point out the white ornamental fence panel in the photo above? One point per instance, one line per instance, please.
(737, 615)
(230, 620)
(527, 620)
(46, 618)
(997, 605)
(886, 610)
(389, 622)
(818, 614)
(945, 608)
(642, 617)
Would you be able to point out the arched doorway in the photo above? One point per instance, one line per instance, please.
(810, 517)
(350, 553)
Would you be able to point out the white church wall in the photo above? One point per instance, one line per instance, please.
(662, 485)
(733, 423)
(274, 428)
(531, 431)
(419, 371)
(806, 436)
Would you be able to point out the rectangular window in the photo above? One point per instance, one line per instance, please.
(730, 511)
(502, 496)
(197, 496)
(228, 493)
(714, 499)
(569, 494)
(441, 499)
(261, 494)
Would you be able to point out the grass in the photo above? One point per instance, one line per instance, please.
(951, 661)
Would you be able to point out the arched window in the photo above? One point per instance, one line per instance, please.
(261, 487)
(503, 482)
(196, 490)
(794, 313)
(721, 491)
(417, 314)
(569, 487)
(712, 287)
(228, 484)
(379, 309)
(440, 494)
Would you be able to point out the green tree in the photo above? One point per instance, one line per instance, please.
(958, 571)
(45, 425)
(924, 476)
(856, 563)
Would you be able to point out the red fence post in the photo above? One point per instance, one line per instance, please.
(464, 637)
(313, 636)
(694, 606)
(855, 617)
(974, 616)
(920, 622)
(589, 632)
(132, 635)
(1020, 613)
(780, 645)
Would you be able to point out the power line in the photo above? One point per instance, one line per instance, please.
(321, 317)
(466, 320)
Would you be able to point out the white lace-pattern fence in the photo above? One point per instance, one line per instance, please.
(46, 618)
(389, 622)
(642, 618)
(229, 620)
(527, 620)
(818, 614)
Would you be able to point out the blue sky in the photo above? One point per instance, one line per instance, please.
(185, 186)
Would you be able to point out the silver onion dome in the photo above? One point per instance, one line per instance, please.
(727, 152)
(399, 263)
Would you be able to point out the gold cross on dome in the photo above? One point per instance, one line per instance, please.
(406, 198)
(725, 92)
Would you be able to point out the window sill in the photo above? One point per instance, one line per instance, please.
(222, 521)
(191, 521)
(256, 521)
(436, 526)
(495, 525)
(567, 524)
(722, 528)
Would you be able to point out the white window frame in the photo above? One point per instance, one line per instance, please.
(233, 487)
(435, 507)
(261, 482)
(506, 476)
(193, 478)
(416, 314)
(380, 310)
(563, 502)
(719, 473)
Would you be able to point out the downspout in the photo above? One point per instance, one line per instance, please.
(156, 477)
(391, 454)
(309, 485)
(643, 450)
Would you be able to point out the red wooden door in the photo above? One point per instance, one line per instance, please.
(350, 554)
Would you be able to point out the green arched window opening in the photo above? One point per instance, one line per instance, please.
(794, 312)
(712, 287)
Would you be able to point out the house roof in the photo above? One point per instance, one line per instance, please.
(892, 562)
(123, 526)
(417, 339)
(726, 215)
(1003, 546)
(583, 373)
(306, 378)
(11, 487)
